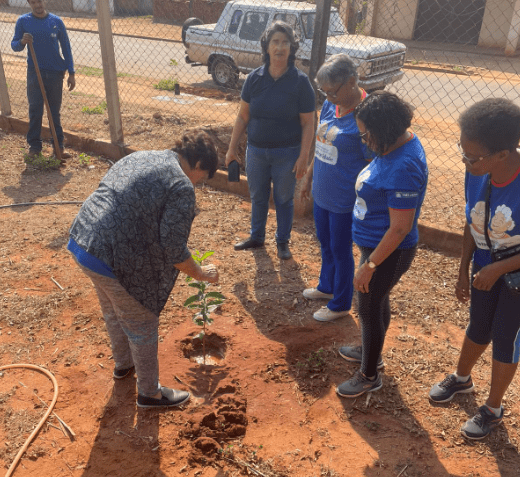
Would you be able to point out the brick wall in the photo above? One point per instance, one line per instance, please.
(176, 11)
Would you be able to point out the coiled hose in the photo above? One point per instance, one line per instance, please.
(44, 418)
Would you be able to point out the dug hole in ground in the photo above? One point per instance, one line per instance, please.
(268, 406)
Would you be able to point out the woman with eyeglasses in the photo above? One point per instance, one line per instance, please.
(338, 159)
(489, 138)
(390, 192)
(277, 109)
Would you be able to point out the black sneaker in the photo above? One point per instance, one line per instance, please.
(359, 384)
(480, 425)
(448, 387)
(170, 398)
(123, 373)
(354, 354)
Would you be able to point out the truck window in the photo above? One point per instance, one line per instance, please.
(335, 25)
(253, 26)
(235, 21)
(289, 18)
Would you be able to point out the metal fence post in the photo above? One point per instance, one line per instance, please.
(319, 39)
(5, 104)
(109, 72)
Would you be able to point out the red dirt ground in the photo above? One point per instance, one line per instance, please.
(268, 406)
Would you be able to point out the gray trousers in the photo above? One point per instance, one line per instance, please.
(133, 331)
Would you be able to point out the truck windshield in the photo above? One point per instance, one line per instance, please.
(335, 25)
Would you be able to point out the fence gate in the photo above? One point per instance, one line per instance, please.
(449, 21)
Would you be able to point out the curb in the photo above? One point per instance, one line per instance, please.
(449, 243)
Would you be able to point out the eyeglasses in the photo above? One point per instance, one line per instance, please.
(472, 160)
(331, 95)
(363, 136)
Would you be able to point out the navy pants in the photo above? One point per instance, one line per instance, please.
(53, 83)
(334, 232)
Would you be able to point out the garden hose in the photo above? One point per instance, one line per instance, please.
(44, 418)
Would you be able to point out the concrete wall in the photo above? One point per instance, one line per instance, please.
(395, 19)
(496, 23)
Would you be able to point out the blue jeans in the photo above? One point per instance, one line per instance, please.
(53, 83)
(334, 232)
(264, 165)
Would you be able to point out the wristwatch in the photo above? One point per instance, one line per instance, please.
(371, 264)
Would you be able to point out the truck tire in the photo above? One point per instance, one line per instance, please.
(224, 72)
(189, 22)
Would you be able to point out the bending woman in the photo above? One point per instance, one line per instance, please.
(390, 192)
(489, 137)
(277, 108)
(130, 238)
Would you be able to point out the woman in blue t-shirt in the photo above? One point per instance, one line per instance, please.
(489, 137)
(338, 159)
(390, 192)
(277, 108)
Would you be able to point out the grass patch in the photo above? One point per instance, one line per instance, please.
(41, 162)
(166, 84)
(98, 72)
(99, 109)
(83, 95)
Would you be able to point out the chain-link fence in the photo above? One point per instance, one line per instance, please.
(170, 77)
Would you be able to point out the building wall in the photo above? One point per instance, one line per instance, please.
(395, 19)
(496, 23)
(176, 11)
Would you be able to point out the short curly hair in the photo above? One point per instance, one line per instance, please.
(386, 117)
(197, 146)
(281, 27)
(493, 123)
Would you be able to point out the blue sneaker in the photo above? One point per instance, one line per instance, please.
(480, 425)
(448, 387)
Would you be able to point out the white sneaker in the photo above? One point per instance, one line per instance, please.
(325, 314)
(315, 294)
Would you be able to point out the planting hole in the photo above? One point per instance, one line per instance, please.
(215, 349)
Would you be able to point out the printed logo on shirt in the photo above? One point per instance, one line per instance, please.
(501, 223)
(406, 195)
(360, 207)
(325, 151)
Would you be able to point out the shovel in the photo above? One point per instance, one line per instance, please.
(57, 149)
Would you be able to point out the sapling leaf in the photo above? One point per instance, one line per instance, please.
(191, 299)
(194, 285)
(215, 294)
(206, 255)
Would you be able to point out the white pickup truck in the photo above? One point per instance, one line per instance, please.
(232, 45)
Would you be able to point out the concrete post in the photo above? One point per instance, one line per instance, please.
(5, 104)
(110, 73)
(514, 31)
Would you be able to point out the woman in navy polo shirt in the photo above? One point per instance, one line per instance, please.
(277, 108)
(390, 193)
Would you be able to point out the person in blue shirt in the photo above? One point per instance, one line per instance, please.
(489, 138)
(390, 192)
(277, 108)
(47, 33)
(339, 157)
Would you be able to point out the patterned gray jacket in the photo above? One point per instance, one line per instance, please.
(138, 222)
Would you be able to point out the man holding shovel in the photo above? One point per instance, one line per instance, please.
(47, 33)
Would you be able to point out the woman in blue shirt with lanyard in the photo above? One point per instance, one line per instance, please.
(489, 137)
(339, 157)
(277, 108)
(390, 192)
